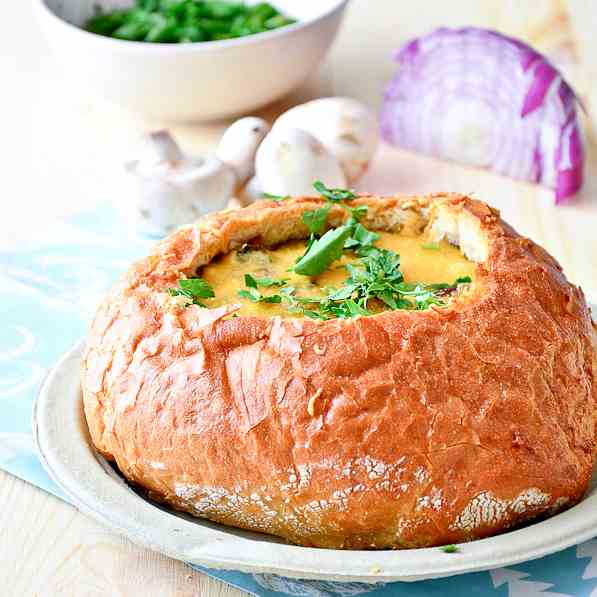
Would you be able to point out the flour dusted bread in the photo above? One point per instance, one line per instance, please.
(402, 429)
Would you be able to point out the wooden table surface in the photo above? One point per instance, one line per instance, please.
(71, 143)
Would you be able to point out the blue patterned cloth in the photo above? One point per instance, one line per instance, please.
(50, 286)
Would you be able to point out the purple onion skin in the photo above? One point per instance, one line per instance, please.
(480, 97)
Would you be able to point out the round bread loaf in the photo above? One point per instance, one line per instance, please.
(401, 429)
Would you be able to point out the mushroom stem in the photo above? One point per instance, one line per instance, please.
(253, 190)
(239, 144)
(159, 147)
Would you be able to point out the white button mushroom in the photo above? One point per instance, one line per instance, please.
(170, 189)
(346, 127)
(237, 202)
(239, 144)
(252, 191)
(289, 160)
(158, 147)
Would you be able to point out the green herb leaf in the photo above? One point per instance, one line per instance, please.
(197, 287)
(340, 195)
(257, 297)
(276, 197)
(361, 237)
(355, 309)
(194, 289)
(463, 280)
(315, 220)
(323, 252)
(270, 282)
(312, 314)
(356, 213)
(250, 281)
(254, 295)
(387, 296)
(426, 299)
(449, 549)
(343, 293)
(333, 195)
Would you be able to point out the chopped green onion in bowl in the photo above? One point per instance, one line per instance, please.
(184, 21)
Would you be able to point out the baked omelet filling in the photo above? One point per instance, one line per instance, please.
(342, 272)
(421, 263)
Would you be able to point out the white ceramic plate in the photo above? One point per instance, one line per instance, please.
(93, 486)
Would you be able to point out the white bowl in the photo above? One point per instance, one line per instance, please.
(192, 81)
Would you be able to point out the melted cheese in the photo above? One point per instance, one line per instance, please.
(418, 264)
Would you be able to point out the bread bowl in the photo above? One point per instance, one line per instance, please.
(399, 429)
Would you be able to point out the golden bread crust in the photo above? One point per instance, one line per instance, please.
(402, 429)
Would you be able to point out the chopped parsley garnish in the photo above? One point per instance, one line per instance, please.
(315, 220)
(360, 237)
(375, 276)
(252, 282)
(338, 196)
(356, 213)
(193, 289)
(276, 197)
(374, 279)
(253, 294)
(449, 549)
(323, 251)
(333, 195)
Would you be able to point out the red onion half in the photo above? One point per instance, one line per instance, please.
(476, 96)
